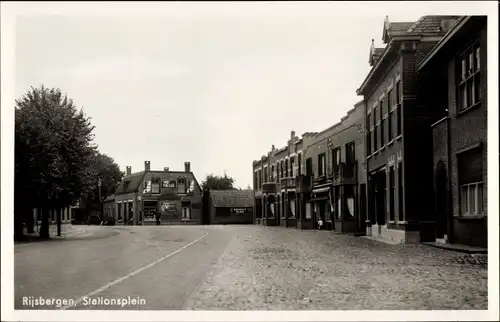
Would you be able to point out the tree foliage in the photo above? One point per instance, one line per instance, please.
(53, 152)
(103, 168)
(213, 182)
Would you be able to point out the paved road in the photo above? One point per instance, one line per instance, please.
(161, 265)
(246, 267)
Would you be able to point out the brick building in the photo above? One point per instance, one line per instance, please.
(398, 131)
(455, 77)
(319, 175)
(176, 194)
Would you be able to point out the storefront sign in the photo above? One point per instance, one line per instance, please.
(168, 183)
(239, 210)
(168, 207)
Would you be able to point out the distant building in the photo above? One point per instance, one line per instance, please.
(175, 194)
(230, 206)
(320, 175)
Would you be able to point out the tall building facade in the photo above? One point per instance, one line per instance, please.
(454, 75)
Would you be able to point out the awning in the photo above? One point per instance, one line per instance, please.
(321, 190)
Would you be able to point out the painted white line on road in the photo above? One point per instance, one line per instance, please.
(121, 279)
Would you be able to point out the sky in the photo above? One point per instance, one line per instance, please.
(216, 88)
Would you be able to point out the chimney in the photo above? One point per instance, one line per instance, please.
(187, 166)
(147, 166)
(129, 170)
(292, 135)
(272, 148)
(166, 169)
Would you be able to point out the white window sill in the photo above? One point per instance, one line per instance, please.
(470, 217)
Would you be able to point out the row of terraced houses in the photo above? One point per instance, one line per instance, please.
(406, 164)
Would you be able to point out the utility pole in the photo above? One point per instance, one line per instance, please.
(99, 183)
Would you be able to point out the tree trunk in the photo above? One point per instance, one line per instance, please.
(44, 227)
(19, 216)
(59, 222)
(30, 221)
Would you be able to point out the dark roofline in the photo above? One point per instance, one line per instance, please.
(345, 117)
(443, 41)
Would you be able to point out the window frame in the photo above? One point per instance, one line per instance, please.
(477, 202)
(468, 76)
(321, 164)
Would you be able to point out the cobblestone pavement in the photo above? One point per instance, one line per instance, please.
(274, 268)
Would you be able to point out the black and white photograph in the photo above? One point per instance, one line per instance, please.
(249, 161)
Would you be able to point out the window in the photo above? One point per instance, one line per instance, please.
(369, 135)
(181, 185)
(292, 165)
(350, 157)
(272, 173)
(278, 171)
(400, 191)
(382, 134)
(286, 168)
(335, 159)
(155, 185)
(468, 77)
(389, 116)
(375, 129)
(309, 167)
(299, 164)
(255, 182)
(282, 169)
(470, 179)
(321, 164)
(471, 196)
(399, 110)
(266, 178)
(391, 194)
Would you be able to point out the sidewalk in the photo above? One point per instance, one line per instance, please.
(66, 231)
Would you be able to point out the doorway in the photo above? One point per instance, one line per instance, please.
(442, 211)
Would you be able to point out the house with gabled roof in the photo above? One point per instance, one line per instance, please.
(177, 195)
(398, 131)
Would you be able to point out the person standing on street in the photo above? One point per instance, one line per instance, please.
(158, 218)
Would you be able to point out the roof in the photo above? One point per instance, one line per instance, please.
(232, 198)
(426, 25)
(453, 30)
(130, 183)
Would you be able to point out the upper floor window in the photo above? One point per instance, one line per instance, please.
(468, 77)
(350, 153)
(335, 159)
(299, 165)
(181, 185)
(272, 172)
(389, 116)
(309, 167)
(155, 185)
(321, 164)
(292, 165)
(382, 133)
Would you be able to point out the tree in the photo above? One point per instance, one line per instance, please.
(213, 182)
(103, 167)
(53, 154)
